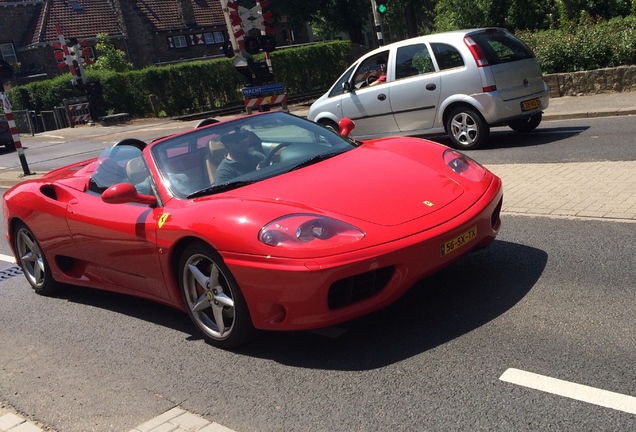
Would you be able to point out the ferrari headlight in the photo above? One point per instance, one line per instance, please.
(308, 230)
(464, 166)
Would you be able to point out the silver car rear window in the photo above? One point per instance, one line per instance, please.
(501, 47)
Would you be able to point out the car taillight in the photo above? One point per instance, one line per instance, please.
(476, 51)
(4, 127)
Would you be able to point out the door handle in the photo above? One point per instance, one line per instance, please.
(381, 96)
(431, 87)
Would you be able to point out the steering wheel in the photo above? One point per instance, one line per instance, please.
(371, 79)
(268, 159)
(132, 142)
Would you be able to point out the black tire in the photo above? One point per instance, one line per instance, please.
(466, 128)
(10, 146)
(526, 125)
(213, 298)
(330, 125)
(33, 262)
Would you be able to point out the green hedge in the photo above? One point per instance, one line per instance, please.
(189, 87)
(585, 47)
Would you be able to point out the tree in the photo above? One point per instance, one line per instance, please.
(511, 14)
(409, 18)
(294, 13)
(110, 58)
(349, 16)
(329, 16)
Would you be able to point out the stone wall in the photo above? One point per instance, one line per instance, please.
(610, 80)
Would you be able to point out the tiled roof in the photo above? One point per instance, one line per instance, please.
(208, 12)
(77, 18)
(83, 19)
(164, 14)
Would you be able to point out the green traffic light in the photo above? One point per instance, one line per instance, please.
(382, 8)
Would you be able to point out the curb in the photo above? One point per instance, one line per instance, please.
(591, 114)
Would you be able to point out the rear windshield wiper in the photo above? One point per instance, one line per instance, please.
(224, 187)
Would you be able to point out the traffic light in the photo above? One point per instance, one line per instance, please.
(267, 42)
(382, 7)
(254, 44)
(6, 70)
(227, 49)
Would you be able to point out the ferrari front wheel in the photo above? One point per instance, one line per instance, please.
(212, 297)
(33, 262)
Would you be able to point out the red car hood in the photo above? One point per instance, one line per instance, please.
(368, 183)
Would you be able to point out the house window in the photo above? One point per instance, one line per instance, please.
(8, 53)
(209, 38)
(180, 41)
(218, 37)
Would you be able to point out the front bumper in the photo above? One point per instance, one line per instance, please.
(291, 294)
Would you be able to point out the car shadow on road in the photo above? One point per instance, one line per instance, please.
(455, 301)
(502, 138)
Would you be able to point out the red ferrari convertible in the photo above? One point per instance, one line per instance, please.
(267, 221)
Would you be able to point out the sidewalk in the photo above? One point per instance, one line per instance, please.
(174, 420)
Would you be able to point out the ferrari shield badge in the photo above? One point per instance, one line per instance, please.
(163, 219)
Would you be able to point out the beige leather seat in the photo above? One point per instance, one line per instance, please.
(136, 170)
(216, 153)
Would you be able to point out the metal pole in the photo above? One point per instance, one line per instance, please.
(14, 131)
(377, 20)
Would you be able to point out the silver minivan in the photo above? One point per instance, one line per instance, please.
(460, 83)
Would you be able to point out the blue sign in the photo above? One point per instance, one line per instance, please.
(261, 90)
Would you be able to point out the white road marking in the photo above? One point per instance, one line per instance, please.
(7, 258)
(571, 390)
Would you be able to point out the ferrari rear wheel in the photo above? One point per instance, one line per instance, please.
(212, 297)
(33, 262)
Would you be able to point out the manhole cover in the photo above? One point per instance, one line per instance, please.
(10, 272)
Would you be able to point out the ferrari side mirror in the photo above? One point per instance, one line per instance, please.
(122, 193)
(346, 126)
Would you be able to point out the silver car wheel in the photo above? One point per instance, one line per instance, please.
(211, 306)
(32, 261)
(466, 128)
(30, 257)
(213, 299)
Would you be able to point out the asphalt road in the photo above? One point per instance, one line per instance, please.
(550, 298)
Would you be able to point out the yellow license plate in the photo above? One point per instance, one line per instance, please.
(530, 104)
(457, 242)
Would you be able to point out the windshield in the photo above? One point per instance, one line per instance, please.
(242, 151)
